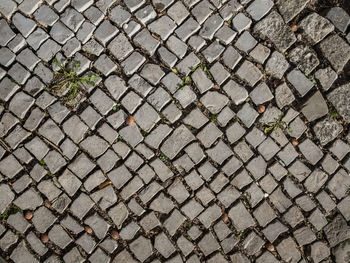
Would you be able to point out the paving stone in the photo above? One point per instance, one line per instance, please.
(119, 214)
(61, 203)
(258, 9)
(273, 28)
(327, 130)
(6, 197)
(249, 72)
(205, 196)
(87, 243)
(185, 246)
(225, 34)
(230, 9)
(339, 17)
(339, 100)
(7, 8)
(98, 225)
(7, 57)
(21, 254)
(25, 25)
(288, 251)
(142, 248)
(341, 252)
(326, 77)
(273, 230)
(46, 16)
(336, 50)
(208, 244)
(202, 11)
(253, 243)
(210, 26)
(150, 191)
(19, 73)
(340, 149)
(289, 9)
(192, 209)
(73, 256)
(313, 112)
(36, 244)
(217, 177)
(319, 251)
(109, 245)
(6, 32)
(124, 256)
(163, 245)
(49, 189)
(315, 28)
(318, 220)
(174, 221)
(301, 83)
(339, 190)
(337, 231)
(43, 219)
(240, 22)
(72, 19)
(246, 42)
(304, 236)
(8, 240)
(81, 205)
(60, 237)
(260, 53)
(120, 47)
(119, 15)
(239, 257)
(240, 217)
(304, 58)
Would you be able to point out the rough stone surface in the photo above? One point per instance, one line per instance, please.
(167, 156)
(340, 101)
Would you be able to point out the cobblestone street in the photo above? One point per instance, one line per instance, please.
(174, 131)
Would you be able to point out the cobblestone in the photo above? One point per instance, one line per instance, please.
(167, 158)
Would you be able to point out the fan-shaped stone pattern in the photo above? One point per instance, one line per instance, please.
(213, 125)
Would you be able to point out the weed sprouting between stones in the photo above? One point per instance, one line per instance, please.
(273, 126)
(12, 210)
(69, 79)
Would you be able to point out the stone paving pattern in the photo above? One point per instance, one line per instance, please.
(191, 176)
